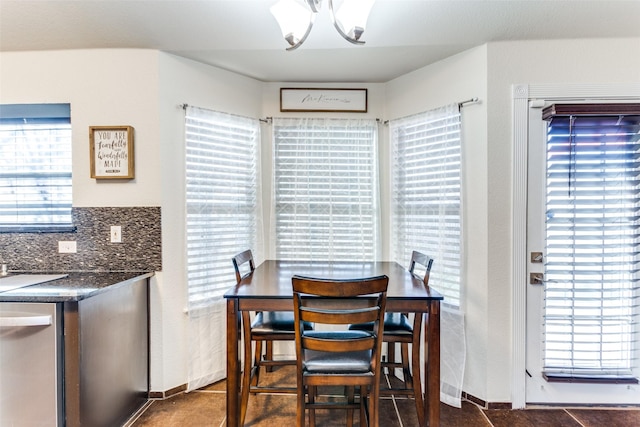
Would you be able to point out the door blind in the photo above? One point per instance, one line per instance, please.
(35, 167)
(222, 198)
(592, 241)
(326, 189)
(426, 194)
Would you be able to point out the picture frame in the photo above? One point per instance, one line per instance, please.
(111, 152)
(322, 100)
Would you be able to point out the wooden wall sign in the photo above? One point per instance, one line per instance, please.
(318, 99)
(111, 152)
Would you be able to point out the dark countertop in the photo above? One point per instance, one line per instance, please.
(75, 287)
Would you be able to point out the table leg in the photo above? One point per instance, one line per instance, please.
(432, 365)
(233, 364)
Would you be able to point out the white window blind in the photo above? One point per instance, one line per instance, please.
(222, 199)
(426, 204)
(592, 241)
(326, 189)
(35, 167)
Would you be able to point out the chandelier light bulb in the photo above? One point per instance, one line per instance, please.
(296, 17)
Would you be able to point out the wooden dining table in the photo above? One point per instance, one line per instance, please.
(269, 289)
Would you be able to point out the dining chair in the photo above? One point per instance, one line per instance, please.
(398, 329)
(335, 355)
(266, 326)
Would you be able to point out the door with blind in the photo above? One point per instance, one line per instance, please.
(584, 244)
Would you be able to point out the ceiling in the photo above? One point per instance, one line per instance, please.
(242, 36)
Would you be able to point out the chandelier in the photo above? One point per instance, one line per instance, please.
(296, 18)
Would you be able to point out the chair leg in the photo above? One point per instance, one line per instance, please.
(365, 406)
(300, 410)
(269, 355)
(312, 411)
(256, 364)
(246, 382)
(417, 384)
(363, 413)
(391, 356)
(406, 373)
(350, 392)
(374, 407)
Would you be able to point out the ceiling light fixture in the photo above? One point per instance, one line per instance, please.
(296, 18)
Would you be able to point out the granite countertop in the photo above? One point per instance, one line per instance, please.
(75, 287)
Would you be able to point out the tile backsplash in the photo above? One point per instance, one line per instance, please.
(140, 249)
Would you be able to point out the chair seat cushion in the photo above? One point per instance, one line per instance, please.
(394, 323)
(321, 362)
(269, 322)
(325, 362)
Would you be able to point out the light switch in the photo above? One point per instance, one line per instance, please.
(68, 247)
(116, 234)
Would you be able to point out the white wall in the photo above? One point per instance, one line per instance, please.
(453, 80)
(104, 87)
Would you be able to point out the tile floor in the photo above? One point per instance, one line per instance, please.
(206, 407)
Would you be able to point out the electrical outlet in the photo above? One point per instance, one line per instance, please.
(116, 234)
(68, 247)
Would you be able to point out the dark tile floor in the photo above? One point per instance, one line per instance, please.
(206, 407)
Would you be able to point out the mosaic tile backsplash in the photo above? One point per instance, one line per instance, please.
(140, 249)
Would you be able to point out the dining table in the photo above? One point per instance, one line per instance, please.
(269, 288)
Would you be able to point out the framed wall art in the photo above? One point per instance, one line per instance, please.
(318, 100)
(111, 149)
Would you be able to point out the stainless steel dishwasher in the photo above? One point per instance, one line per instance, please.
(31, 365)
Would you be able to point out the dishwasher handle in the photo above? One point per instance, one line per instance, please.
(28, 320)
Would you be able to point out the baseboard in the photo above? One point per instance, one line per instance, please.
(507, 405)
(167, 393)
(466, 396)
(484, 404)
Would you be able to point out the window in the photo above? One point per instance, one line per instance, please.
(222, 199)
(425, 202)
(326, 189)
(592, 241)
(35, 167)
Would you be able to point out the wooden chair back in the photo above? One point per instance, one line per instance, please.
(418, 258)
(239, 264)
(340, 302)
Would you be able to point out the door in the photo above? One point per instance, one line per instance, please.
(538, 389)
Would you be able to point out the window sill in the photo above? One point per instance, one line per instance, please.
(569, 378)
(38, 229)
